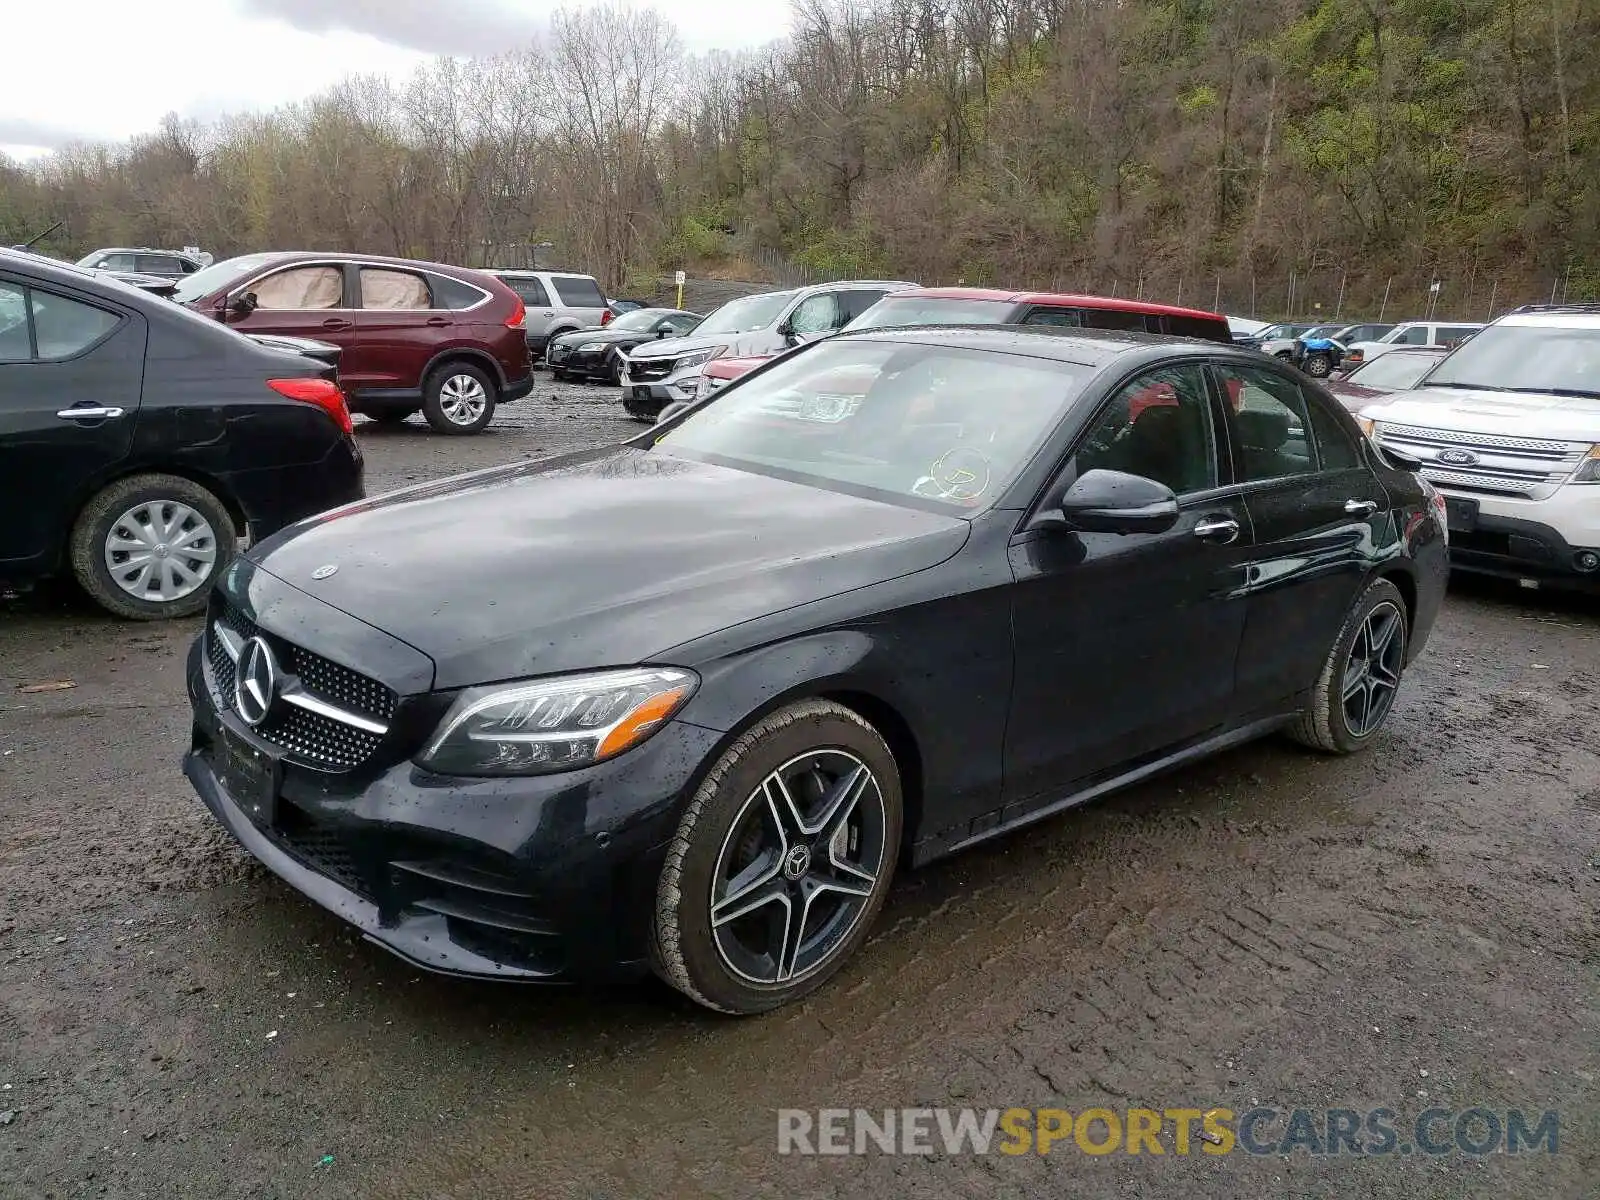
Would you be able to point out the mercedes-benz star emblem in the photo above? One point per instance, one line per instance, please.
(324, 571)
(797, 862)
(255, 682)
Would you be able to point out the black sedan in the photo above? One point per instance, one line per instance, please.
(684, 704)
(139, 441)
(592, 353)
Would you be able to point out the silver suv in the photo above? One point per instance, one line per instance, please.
(170, 264)
(558, 302)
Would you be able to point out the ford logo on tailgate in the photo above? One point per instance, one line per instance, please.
(1457, 458)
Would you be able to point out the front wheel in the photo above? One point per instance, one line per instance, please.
(781, 861)
(1319, 366)
(149, 547)
(1356, 691)
(459, 398)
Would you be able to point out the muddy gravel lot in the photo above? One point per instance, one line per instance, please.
(1411, 928)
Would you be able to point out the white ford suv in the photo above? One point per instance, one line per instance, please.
(1508, 428)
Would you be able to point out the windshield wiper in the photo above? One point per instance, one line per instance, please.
(1581, 393)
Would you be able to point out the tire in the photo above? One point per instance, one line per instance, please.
(459, 398)
(723, 966)
(1319, 366)
(1326, 724)
(120, 523)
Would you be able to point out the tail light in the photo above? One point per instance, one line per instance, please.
(605, 317)
(519, 314)
(324, 393)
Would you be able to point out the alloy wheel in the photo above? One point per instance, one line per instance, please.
(798, 867)
(1372, 672)
(462, 399)
(160, 550)
(1318, 367)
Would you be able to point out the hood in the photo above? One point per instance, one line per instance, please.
(678, 346)
(1509, 414)
(609, 336)
(605, 558)
(1354, 396)
(732, 368)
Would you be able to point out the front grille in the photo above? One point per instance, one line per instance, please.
(650, 370)
(322, 848)
(559, 352)
(311, 738)
(1506, 466)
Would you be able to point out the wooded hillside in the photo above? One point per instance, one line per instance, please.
(1152, 145)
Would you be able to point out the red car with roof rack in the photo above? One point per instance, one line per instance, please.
(1003, 306)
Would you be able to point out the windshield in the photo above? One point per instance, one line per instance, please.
(931, 310)
(1274, 332)
(741, 316)
(642, 319)
(217, 276)
(910, 424)
(1558, 359)
(1395, 371)
(1319, 331)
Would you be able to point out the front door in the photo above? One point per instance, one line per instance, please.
(1316, 510)
(70, 379)
(1125, 643)
(309, 300)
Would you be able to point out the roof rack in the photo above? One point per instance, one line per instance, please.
(1581, 308)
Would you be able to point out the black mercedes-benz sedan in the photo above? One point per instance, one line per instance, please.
(684, 704)
(593, 353)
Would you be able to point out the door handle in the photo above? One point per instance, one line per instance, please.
(551, 313)
(336, 323)
(436, 322)
(89, 412)
(1222, 530)
(1364, 508)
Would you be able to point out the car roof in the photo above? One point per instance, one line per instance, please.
(1063, 298)
(278, 258)
(1085, 347)
(141, 250)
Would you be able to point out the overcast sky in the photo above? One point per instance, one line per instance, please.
(108, 69)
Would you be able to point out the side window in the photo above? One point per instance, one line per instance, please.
(1336, 447)
(63, 328)
(1115, 318)
(157, 264)
(1268, 415)
(301, 287)
(681, 325)
(1158, 426)
(531, 291)
(1060, 318)
(815, 314)
(453, 294)
(578, 291)
(1198, 327)
(1417, 335)
(855, 302)
(16, 342)
(1454, 335)
(393, 289)
(117, 262)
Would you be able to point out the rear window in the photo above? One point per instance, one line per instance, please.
(899, 309)
(158, 264)
(578, 291)
(1117, 318)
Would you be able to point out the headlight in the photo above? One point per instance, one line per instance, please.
(1589, 470)
(700, 356)
(1368, 427)
(707, 385)
(555, 724)
(592, 348)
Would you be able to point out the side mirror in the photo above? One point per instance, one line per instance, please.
(786, 330)
(1115, 502)
(661, 333)
(244, 304)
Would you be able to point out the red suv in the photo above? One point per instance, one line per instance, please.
(1000, 306)
(415, 335)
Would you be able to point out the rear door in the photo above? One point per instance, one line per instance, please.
(536, 301)
(581, 298)
(1315, 509)
(71, 375)
(397, 328)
